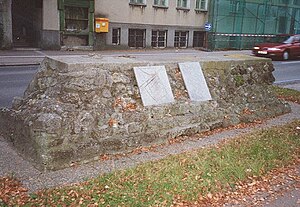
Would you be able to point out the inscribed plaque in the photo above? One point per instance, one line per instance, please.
(194, 81)
(154, 85)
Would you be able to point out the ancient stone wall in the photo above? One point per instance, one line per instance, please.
(74, 112)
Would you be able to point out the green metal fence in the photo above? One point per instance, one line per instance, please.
(239, 24)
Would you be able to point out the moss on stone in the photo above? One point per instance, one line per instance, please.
(239, 80)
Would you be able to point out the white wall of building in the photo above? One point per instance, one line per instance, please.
(50, 15)
(120, 11)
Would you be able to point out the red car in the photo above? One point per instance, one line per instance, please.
(285, 50)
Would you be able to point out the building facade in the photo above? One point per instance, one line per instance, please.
(239, 24)
(52, 24)
(154, 23)
(29, 23)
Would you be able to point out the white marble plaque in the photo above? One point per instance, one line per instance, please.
(194, 81)
(154, 85)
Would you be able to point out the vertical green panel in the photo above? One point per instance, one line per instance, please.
(92, 7)
(91, 29)
(91, 16)
(91, 22)
(60, 4)
(61, 7)
(62, 20)
(91, 38)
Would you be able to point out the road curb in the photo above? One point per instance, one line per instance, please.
(18, 64)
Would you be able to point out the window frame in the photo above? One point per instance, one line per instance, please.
(136, 34)
(76, 20)
(137, 3)
(199, 3)
(180, 36)
(157, 41)
(179, 5)
(90, 5)
(118, 37)
(160, 5)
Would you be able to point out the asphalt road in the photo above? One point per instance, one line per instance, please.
(14, 79)
(13, 82)
(287, 71)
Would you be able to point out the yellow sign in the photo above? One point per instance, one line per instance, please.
(101, 25)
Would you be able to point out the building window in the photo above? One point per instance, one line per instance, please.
(76, 19)
(137, 2)
(201, 5)
(159, 39)
(116, 36)
(161, 3)
(136, 38)
(181, 39)
(183, 4)
(198, 39)
(76, 22)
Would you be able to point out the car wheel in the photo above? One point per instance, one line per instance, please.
(285, 55)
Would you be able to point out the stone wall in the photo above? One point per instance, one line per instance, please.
(74, 112)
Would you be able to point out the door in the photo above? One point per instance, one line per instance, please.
(199, 38)
(26, 22)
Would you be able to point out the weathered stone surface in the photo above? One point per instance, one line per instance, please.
(74, 112)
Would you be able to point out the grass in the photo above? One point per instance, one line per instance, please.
(287, 94)
(185, 176)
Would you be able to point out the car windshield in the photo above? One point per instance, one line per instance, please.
(289, 40)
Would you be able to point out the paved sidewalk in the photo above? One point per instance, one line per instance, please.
(30, 57)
